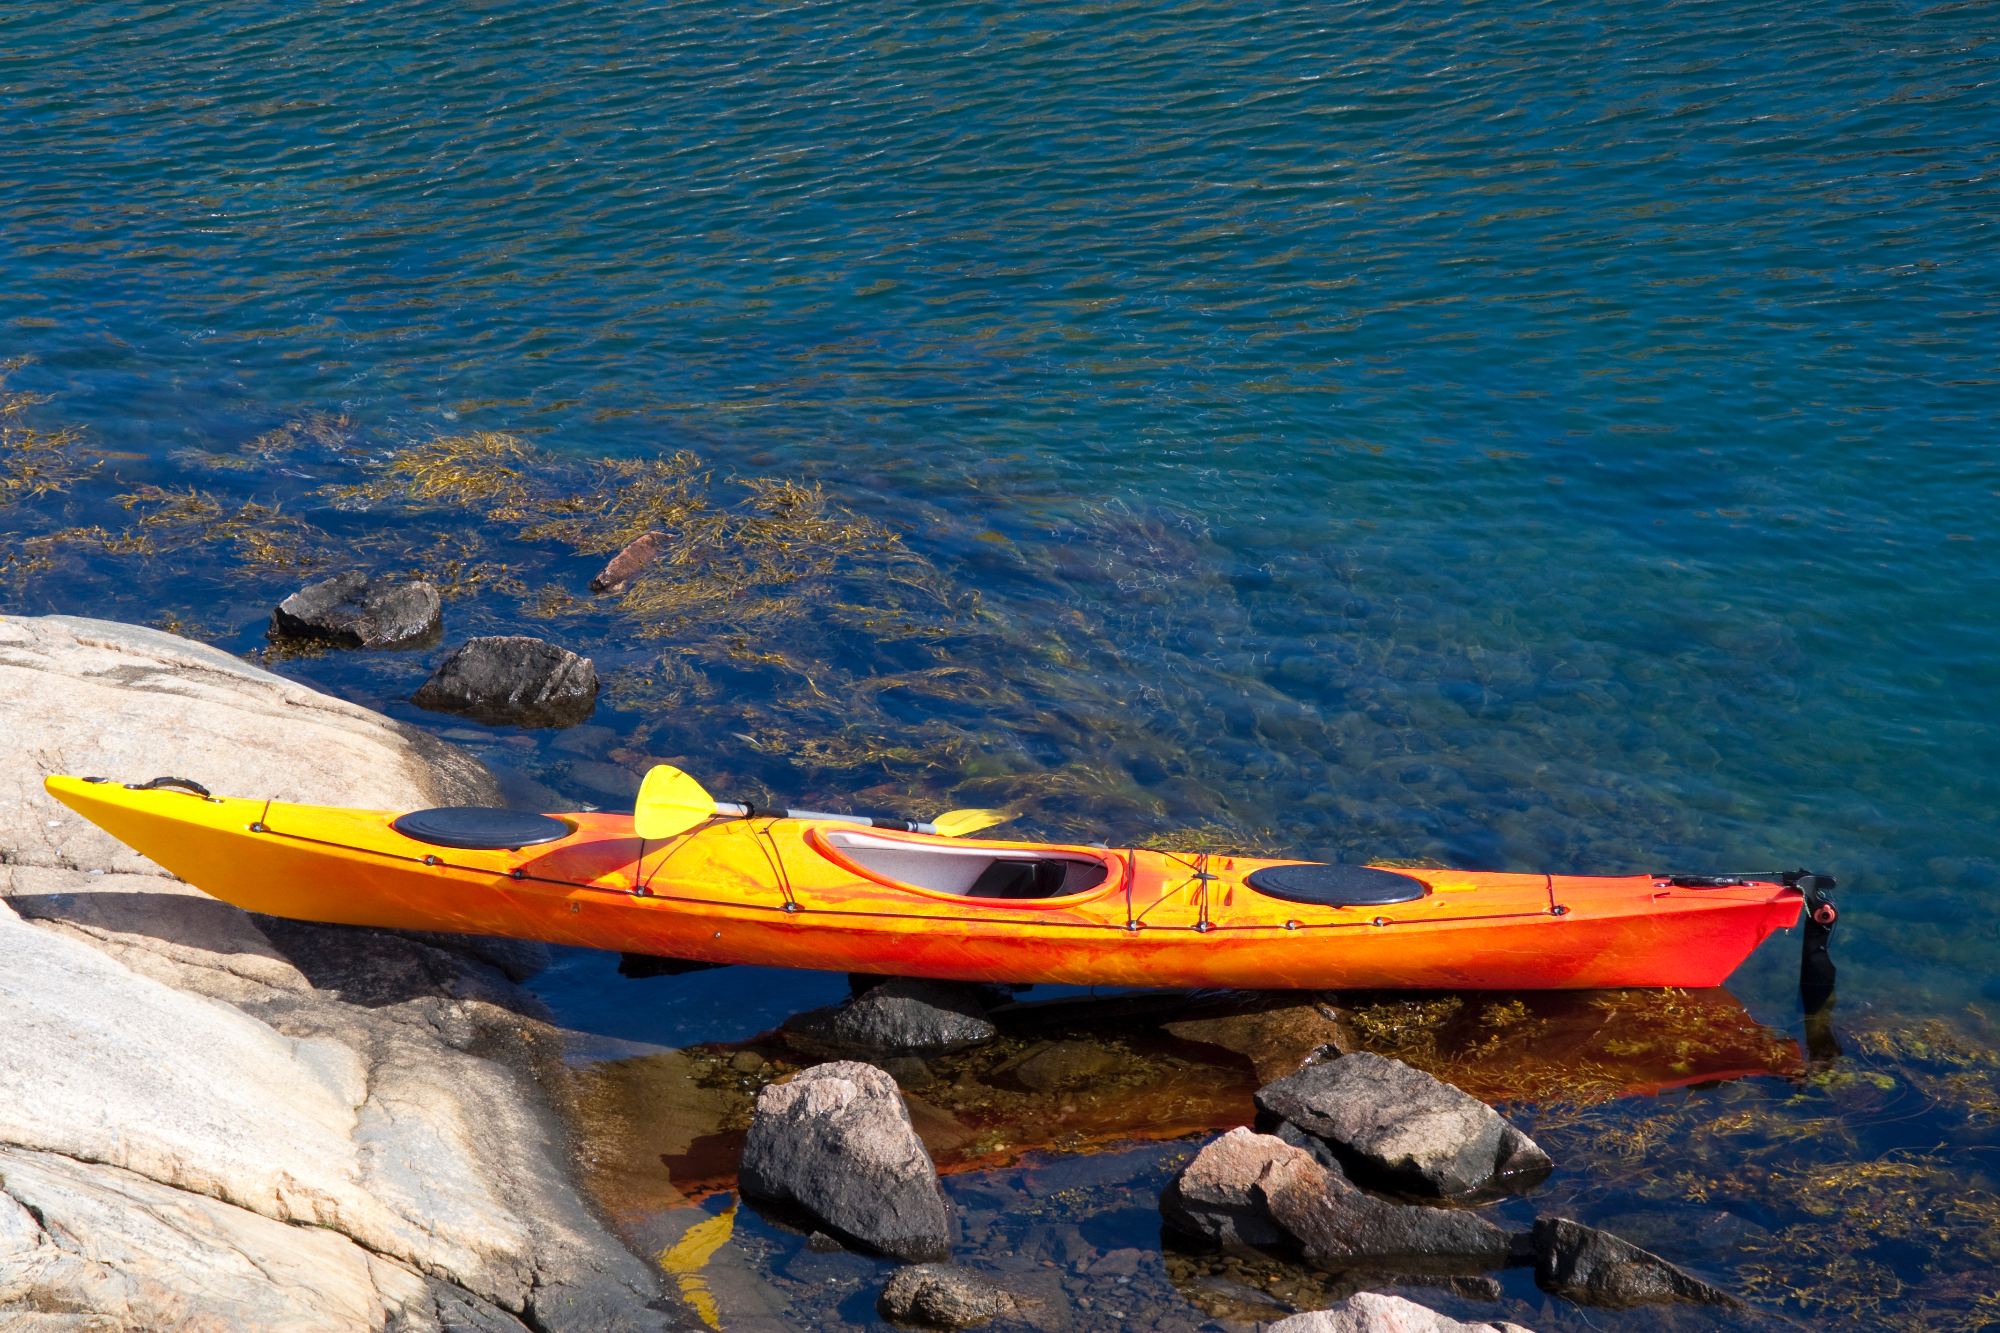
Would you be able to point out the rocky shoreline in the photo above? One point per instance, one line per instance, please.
(210, 1118)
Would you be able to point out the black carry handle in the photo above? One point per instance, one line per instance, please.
(156, 783)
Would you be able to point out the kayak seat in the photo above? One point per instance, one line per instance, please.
(478, 828)
(1336, 885)
(971, 872)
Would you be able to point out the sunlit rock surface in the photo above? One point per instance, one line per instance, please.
(352, 610)
(512, 680)
(1257, 1190)
(837, 1143)
(94, 698)
(1399, 1128)
(1369, 1312)
(236, 1121)
(940, 1296)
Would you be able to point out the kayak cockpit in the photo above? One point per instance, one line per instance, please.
(966, 872)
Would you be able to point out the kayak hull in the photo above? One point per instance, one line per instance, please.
(782, 894)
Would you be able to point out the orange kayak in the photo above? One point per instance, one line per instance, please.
(835, 895)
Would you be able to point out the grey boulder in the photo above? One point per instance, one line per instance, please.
(913, 1017)
(512, 681)
(354, 611)
(1592, 1267)
(1249, 1189)
(940, 1296)
(1398, 1128)
(1372, 1312)
(836, 1143)
(903, 1016)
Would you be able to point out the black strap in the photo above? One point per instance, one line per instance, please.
(188, 783)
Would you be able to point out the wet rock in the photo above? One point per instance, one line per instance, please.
(1280, 1036)
(1257, 1190)
(355, 611)
(912, 1017)
(512, 681)
(1372, 1312)
(908, 1071)
(1399, 1128)
(901, 1016)
(592, 742)
(836, 1142)
(1685, 1233)
(1592, 1267)
(1058, 1065)
(1219, 1195)
(1118, 1263)
(940, 1296)
(605, 779)
(617, 576)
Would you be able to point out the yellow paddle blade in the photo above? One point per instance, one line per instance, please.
(958, 823)
(670, 802)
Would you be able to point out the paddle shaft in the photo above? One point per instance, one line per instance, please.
(742, 811)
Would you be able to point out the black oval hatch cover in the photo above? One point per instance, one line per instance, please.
(478, 828)
(1336, 885)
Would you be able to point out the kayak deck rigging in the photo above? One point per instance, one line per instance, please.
(835, 895)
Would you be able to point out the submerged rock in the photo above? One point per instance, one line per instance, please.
(355, 611)
(1592, 1267)
(1399, 1128)
(1062, 1064)
(940, 1296)
(628, 563)
(512, 681)
(1372, 1312)
(837, 1143)
(1280, 1034)
(1257, 1190)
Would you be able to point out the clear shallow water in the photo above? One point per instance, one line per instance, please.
(1535, 436)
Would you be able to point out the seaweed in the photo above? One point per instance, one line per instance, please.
(33, 462)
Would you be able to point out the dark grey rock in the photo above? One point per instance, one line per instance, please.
(354, 611)
(1247, 1189)
(912, 1017)
(940, 1296)
(836, 1142)
(901, 1016)
(512, 681)
(1592, 1267)
(1397, 1127)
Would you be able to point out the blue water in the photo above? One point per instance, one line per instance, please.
(1528, 435)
